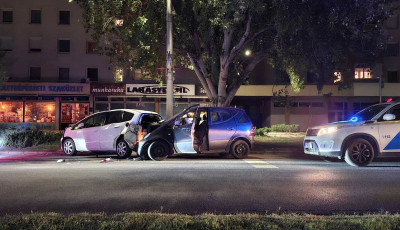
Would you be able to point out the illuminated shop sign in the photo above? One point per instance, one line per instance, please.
(44, 88)
(156, 89)
(107, 89)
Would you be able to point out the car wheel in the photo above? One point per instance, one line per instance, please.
(158, 151)
(332, 159)
(69, 147)
(240, 149)
(122, 149)
(359, 153)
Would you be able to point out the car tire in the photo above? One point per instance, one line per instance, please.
(68, 147)
(158, 151)
(240, 149)
(359, 153)
(122, 149)
(332, 159)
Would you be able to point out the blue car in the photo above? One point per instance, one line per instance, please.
(200, 130)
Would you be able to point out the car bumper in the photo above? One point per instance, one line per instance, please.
(311, 147)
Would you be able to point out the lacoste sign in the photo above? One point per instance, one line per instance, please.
(156, 89)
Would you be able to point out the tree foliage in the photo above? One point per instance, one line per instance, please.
(211, 36)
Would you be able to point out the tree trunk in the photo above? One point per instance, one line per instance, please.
(223, 77)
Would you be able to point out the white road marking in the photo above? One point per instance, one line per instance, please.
(260, 164)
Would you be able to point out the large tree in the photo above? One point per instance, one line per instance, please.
(223, 40)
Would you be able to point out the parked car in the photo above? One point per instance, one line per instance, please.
(372, 132)
(109, 131)
(200, 130)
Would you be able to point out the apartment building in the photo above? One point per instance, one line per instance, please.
(57, 77)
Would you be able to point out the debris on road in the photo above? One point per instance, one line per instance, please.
(137, 159)
(106, 160)
(61, 160)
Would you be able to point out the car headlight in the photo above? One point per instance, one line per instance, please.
(324, 131)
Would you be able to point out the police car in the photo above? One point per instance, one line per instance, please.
(372, 132)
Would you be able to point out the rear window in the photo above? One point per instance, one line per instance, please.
(220, 115)
(244, 119)
(127, 116)
(150, 118)
(114, 117)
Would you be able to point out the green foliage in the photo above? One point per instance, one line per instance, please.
(261, 131)
(285, 128)
(21, 138)
(201, 222)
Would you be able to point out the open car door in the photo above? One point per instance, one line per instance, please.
(183, 131)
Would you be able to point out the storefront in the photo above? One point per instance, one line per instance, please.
(43, 105)
(149, 97)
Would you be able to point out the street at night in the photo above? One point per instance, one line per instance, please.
(262, 183)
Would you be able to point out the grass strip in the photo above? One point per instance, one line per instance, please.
(204, 221)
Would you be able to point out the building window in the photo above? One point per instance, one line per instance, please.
(34, 73)
(7, 16)
(362, 73)
(91, 47)
(119, 75)
(92, 74)
(392, 49)
(73, 112)
(35, 44)
(64, 17)
(63, 45)
(40, 112)
(11, 112)
(338, 77)
(6, 43)
(392, 77)
(36, 16)
(392, 22)
(63, 74)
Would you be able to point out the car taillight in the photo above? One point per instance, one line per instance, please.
(252, 131)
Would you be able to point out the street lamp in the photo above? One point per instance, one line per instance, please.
(169, 59)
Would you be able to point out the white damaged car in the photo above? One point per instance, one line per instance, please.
(372, 132)
(116, 131)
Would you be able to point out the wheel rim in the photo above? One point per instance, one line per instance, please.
(121, 148)
(240, 149)
(361, 153)
(159, 151)
(68, 147)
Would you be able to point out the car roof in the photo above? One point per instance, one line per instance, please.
(130, 110)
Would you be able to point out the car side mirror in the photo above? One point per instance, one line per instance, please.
(389, 117)
(127, 124)
(80, 125)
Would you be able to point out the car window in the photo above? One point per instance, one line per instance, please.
(244, 119)
(395, 110)
(369, 112)
(220, 115)
(150, 118)
(114, 117)
(95, 120)
(127, 116)
(187, 118)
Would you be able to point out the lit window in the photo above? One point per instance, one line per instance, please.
(40, 112)
(11, 112)
(73, 112)
(338, 76)
(119, 75)
(362, 73)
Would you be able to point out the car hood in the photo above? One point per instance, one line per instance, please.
(341, 124)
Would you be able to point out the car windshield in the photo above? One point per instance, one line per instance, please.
(178, 114)
(368, 113)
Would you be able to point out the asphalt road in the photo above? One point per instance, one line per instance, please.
(197, 185)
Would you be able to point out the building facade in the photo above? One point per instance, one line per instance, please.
(56, 77)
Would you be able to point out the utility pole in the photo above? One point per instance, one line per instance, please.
(170, 79)
(380, 89)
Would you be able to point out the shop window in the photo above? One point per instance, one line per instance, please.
(392, 49)
(11, 112)
(64, 17)
(91, 47)
(92, 74)
(63, 74)
(36, 16)
(35, 44)
(64, 46)
(73, 112)
(392, 77)
(40, 112)
(6, 43)
(7, 16)
(34, 73)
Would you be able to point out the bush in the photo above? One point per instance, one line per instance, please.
(27, 138)
(261, 131)
(285, 128)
